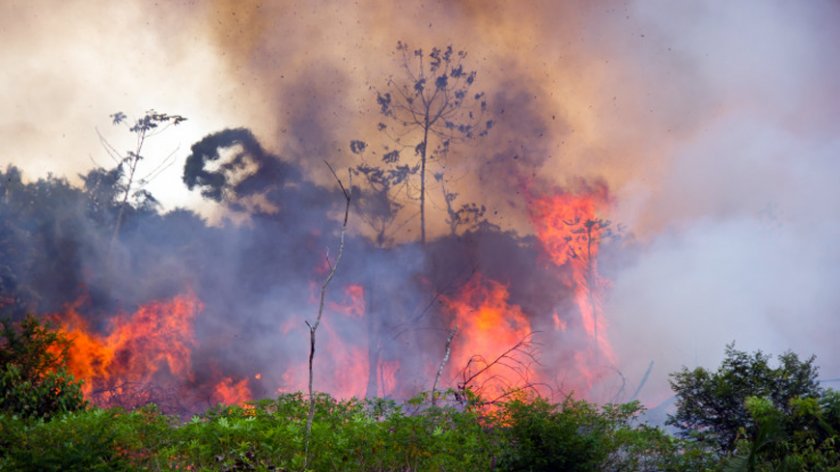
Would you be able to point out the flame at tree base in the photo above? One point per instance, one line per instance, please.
(489, 352)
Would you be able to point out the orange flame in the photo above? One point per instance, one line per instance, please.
(488, 326)
(155, 340)
(341, 364)
(232, 393)
(570, 231)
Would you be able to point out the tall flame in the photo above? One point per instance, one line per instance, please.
(570, 231)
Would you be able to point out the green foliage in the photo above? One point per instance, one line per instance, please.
(803, 439)
(346, 435)
(351, 435)
(712, 408)
(548, 437)
(33, 378)
(576, 435)
(522, 434)
(94, 439)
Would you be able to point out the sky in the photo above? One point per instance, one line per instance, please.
(716, 126)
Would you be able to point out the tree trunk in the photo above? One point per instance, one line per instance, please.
(423, 152)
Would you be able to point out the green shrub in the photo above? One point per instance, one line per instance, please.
(34, 381)
(94, 439)
(540, 436)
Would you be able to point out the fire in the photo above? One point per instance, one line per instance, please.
(342, 360)
(353, 303)
(154, 341)
(570, 231)
(232, 393)
(488, 326)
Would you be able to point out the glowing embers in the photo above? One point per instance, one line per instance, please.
(491, 351)
(146, 355)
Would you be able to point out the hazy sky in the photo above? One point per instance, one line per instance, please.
(716, 125)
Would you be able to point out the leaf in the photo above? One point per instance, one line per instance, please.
(357, 146)
(118, 117)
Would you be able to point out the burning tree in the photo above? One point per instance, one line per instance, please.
(570, 231)
(430, 108)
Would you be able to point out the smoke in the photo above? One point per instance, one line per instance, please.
(739, 226)
(714, 127)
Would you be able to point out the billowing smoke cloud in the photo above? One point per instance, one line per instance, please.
(739, 219)
(715, 127)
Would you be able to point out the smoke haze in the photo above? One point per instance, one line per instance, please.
(716, 127)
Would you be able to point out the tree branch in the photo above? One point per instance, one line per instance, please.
(313, 327)
(443, 361)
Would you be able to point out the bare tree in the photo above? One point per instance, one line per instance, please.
(313, 327)
(430, 108)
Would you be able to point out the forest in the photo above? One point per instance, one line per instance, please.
(373, 320)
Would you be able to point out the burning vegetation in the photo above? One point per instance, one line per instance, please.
(463, 248)
(384, 332)
(171, 310)
(177, 312)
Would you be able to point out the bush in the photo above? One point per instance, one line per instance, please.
(541, 436)
(34, 381)
(712, 408)
(95, 439)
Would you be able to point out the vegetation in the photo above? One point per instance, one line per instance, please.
(34, 382)
(713, 406)
(753, 416)
(792, 426)
(426, 110)
(347, 435)
(746, 415)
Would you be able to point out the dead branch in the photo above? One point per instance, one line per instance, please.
(642, 382)
(313, 327)
(518, 359)
(520, 347)
(443, 361)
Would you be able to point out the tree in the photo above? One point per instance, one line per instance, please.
(378, 205)
(712, 406)
(468, 215)
(430, 108)
(130, 184)
(34, 381)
